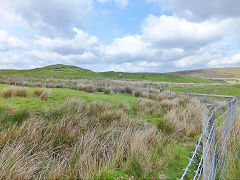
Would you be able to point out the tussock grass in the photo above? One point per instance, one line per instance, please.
(87, 88)
(128, 90)
(38, 91)
(14, 91)
(8, 92)
(185, 122)
(70, 147)
(21, 92)
(45, 95)
(124, 106)
(138, 93)
(108, 91)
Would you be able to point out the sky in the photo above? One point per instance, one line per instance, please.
(120, 35)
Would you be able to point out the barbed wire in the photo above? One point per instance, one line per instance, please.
(208, 159)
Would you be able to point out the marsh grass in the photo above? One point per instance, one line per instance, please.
(8, 92)
(21, 92)
(71, 147)
(108, 91)
(14, 91)
(38, 91)
(45, 95)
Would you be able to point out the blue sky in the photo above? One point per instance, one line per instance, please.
(120, 35)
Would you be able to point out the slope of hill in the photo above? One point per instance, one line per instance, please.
(73, 72)
(216, 73)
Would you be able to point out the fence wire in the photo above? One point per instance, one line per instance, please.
(208, 159)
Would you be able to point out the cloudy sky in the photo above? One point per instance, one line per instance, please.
(120, 35)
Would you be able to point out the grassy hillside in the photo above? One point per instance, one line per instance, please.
(213, 73)
(73, 72)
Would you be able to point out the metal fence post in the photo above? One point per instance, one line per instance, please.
(208, 147)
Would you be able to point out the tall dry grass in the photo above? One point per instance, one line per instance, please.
(8, 92)
(14, 91)
(187, 121)
(80, 143)
(45, 95)
(38, 91)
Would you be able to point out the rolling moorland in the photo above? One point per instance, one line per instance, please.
(67, 122)
(226, 74)
(72, 72)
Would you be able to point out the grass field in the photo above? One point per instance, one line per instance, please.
(221, 90)
(167, 158)
(73, 72)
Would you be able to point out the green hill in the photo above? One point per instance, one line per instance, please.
(73, 72)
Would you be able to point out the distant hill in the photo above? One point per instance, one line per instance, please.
(74, 72)
(216, 73)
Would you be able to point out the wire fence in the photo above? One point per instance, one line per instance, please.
(208, 160)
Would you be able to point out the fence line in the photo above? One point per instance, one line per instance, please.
(208, 159)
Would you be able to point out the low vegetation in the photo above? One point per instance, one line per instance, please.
(125, 137)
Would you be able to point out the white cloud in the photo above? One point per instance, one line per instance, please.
(172, 31)
(233, 60)
(9, 42)
(48, 17)
(81, 42)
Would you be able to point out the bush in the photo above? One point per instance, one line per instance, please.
(108, 91)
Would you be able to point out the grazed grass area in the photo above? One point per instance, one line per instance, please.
(58, 95)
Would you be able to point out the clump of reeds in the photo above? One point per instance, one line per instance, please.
(14, 91)
(128, 90)
(70, 147)
(87, 88)
(124, 106)
(108, 91)
(8, 92)
(45, 95)
(138, 93)
(38, 91)
(20, 91)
